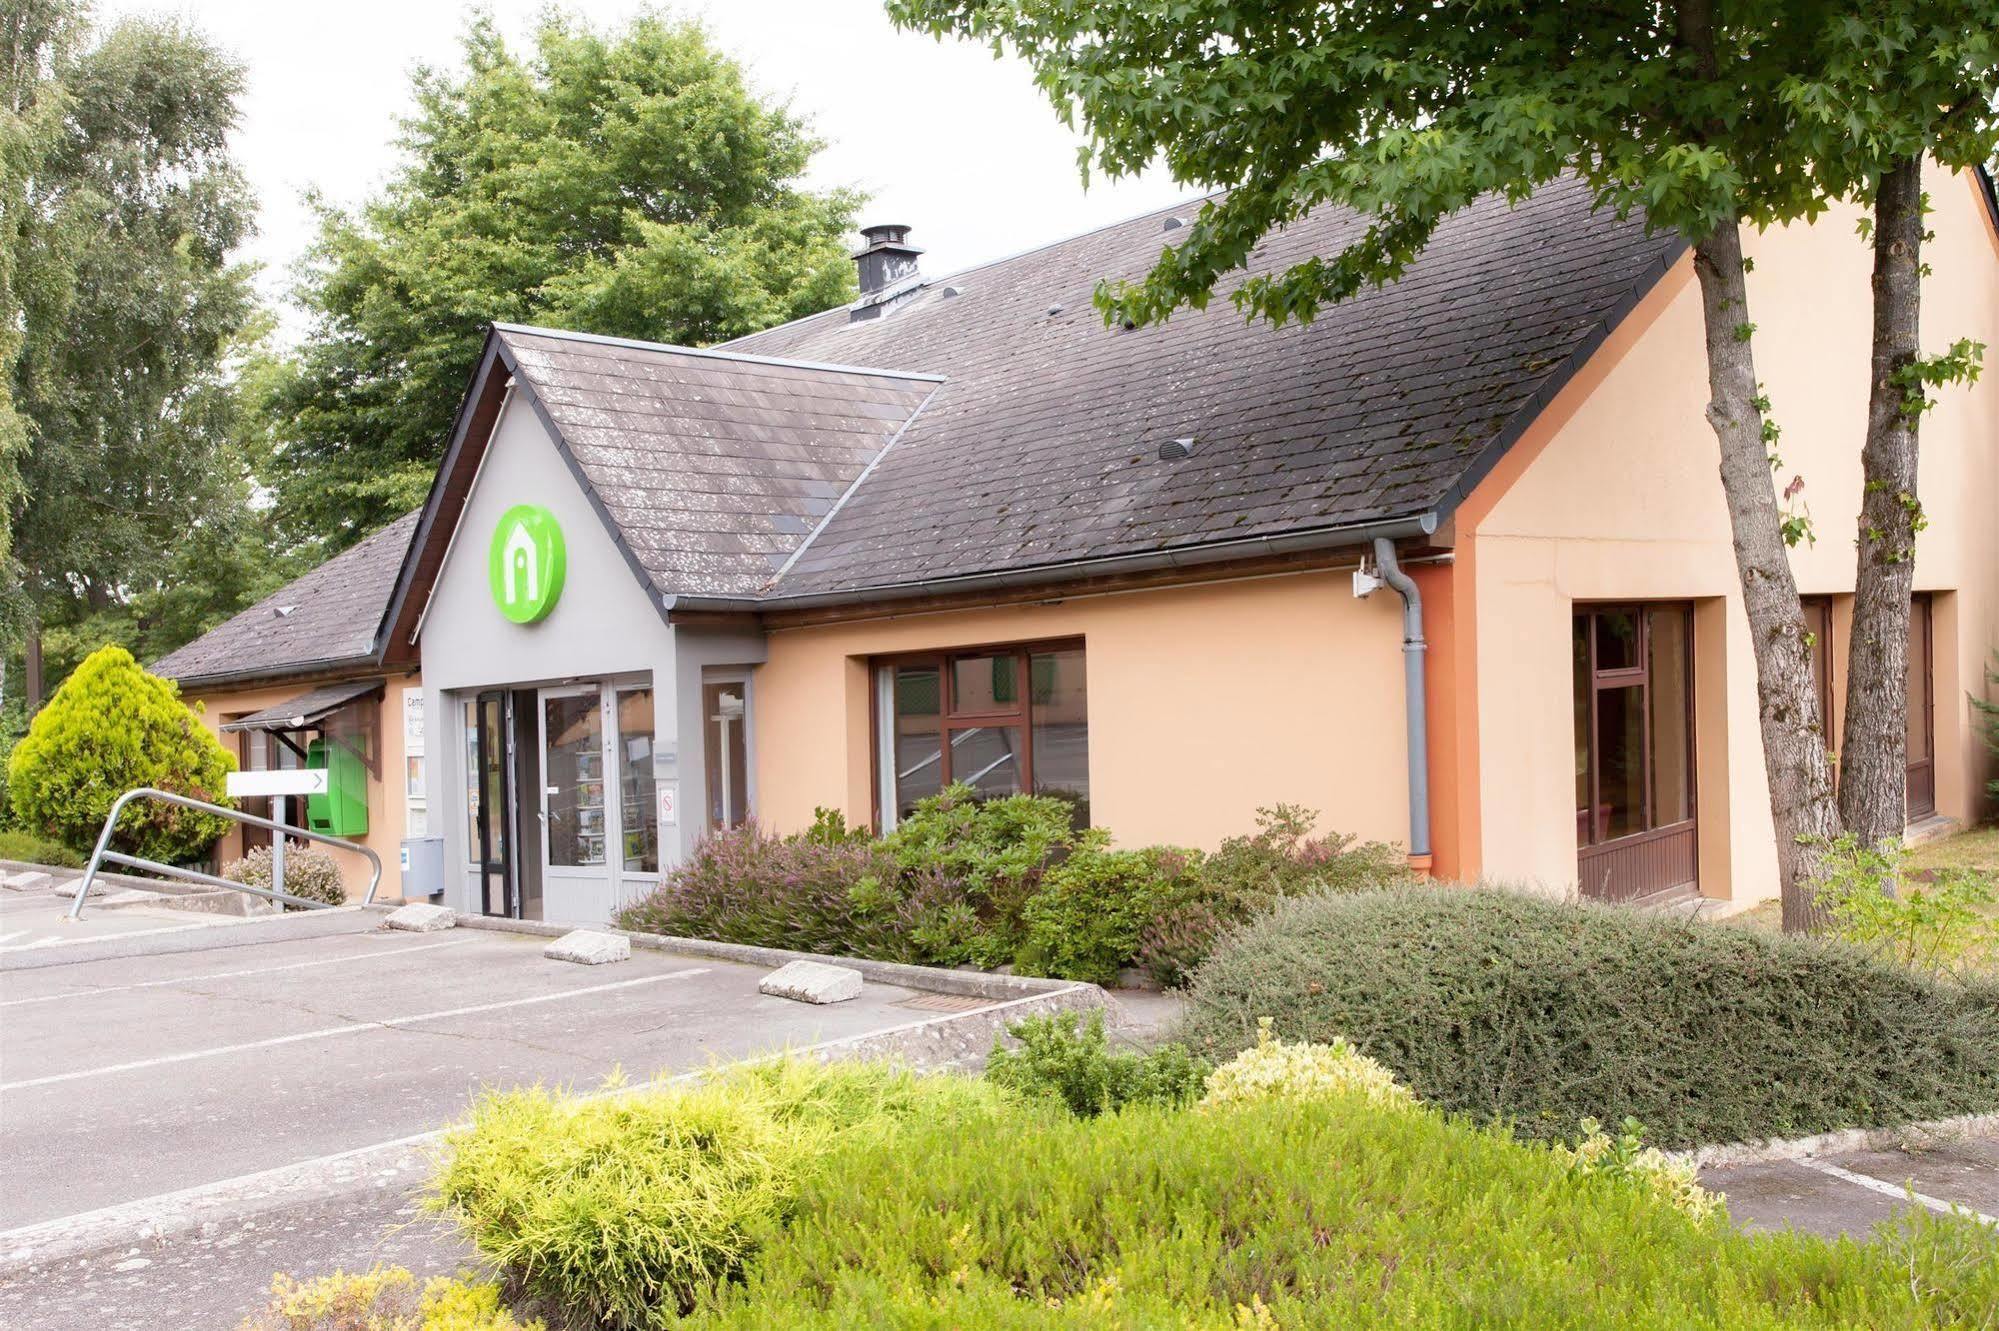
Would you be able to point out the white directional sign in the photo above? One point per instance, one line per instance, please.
(285, 781)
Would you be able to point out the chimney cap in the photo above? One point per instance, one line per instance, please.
(886, 236)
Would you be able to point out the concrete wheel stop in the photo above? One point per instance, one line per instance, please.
(420, 917)
(587, 947)
(812, 982)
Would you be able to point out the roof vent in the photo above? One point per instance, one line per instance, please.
(1174, 224)
(1175, 449)
(283, 611)
(886, 267)
(950, 292)
(1054, 310)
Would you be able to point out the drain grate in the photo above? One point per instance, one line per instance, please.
(945, 1003)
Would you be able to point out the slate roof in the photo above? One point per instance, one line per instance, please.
(713, 468)
(333, 621)
(1041, 446)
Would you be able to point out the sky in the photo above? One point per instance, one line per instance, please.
(957, 145)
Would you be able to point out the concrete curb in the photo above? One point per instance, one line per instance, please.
(212, 931)
(931, 1044)
(1907, 1136)
(936, 979)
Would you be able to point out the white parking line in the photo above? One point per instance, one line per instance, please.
(355, 1028)
(1937, 1204)
(18, 933)
(230, 975)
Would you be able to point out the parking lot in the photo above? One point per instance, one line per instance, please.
(129, 1077)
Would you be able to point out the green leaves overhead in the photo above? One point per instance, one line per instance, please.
(628, 183)
(1406, 113)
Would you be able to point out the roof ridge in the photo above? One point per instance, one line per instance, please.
(715, 352)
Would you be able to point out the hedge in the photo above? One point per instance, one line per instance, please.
(1328, 1213)
(1540, 1012)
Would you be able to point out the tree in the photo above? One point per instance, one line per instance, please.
(629, 183)
(110, 728)
(129, 304)
(1902, 82)
(1686, 111)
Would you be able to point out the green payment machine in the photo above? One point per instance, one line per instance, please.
(343, 810)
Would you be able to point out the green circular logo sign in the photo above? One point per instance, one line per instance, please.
(525, 563)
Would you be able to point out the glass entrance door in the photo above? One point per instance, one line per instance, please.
(490, 729)
(578, 815)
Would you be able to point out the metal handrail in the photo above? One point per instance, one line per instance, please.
(103, 852)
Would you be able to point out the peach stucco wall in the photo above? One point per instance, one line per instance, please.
(1204, 704)
(1615, 495)
(386, 806)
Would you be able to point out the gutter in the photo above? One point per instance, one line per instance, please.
(1322, 538)
(1415, 704)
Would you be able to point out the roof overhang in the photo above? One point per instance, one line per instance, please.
(308, 708)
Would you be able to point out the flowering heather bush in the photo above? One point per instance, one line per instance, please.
(1274, 1069)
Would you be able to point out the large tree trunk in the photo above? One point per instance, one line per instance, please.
(1873, 750)
(32, 685)
(1802, 804)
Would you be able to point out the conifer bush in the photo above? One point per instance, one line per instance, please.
(1541, 1013)
(109, 728)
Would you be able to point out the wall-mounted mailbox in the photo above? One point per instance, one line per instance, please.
(343, 810)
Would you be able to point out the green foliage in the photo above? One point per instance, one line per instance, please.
(624, 1208)
(1063, 1058)
(127, 206)
(1090, 913)
(385, 1298)
(1541, 1013)
(1273, 1069)
(310, 872)
(996, 851)
(1327, 1213)
(1990, 725)
(626, 182)
(1937, 927)
(30, 849)
(109, 728)
(1627, 1156)
(1249, 874)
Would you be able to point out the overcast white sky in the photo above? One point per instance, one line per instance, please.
(961, 147)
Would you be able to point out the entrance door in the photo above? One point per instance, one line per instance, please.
(579, 818)
(1634, 696)
(492, 803)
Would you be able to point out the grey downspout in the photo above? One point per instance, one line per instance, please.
(1415, 704)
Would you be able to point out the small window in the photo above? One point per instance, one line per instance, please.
(1001, 720)
(725, 723)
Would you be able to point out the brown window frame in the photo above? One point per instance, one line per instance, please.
(1818, 622)
(1922, 653)
(949, 718)
(1638, 677)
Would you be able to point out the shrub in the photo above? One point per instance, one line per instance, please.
(994, 852)
(1272, 1069)
(1060, 1057)
(109, 728)
(31, 849)
(1935, 927)
(1627, 1156)
(1248, 874)
(814, 892)
(384, 1299)
(310, 872)
(625, 1207)
(1541, 1012)
(1329, 1213)
(1085, 920)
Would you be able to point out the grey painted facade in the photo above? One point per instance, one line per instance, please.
(603, 627)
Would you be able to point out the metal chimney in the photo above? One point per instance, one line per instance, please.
(886, 266)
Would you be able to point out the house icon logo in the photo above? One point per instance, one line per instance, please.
(525, 563)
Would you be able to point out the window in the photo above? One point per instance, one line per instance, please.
(638, 810)
(726, 751)
(573, 767)
(1634, 767)
(1921, 786)
(1001, 720)
(1818, 623)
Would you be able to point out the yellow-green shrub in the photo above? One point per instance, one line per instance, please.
(109, 728)
(1273, 1069)
(625, 1207)
(1627, 1156)
(386, 1298)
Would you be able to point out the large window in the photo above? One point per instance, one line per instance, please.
(1818, 623)
(1921, 799)
(1001, 720)
(1633, 686)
